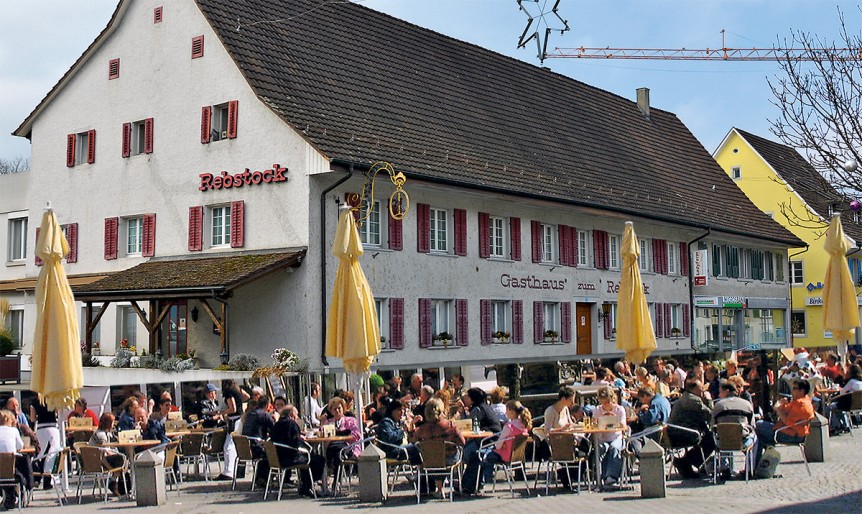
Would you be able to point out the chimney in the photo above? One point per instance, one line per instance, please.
(643, 100)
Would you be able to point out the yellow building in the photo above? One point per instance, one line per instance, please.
(781, 183)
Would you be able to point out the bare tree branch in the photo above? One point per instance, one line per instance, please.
(15, 165)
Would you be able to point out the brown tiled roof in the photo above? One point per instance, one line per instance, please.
(364, 86)
(799, 174)
(184, 276)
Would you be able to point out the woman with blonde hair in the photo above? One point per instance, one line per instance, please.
(610, 443)
(344, 426)
(438, 428)
(498, 402)
(519, 422)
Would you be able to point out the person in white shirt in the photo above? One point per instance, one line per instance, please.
(10, 438)
(842, 401)
(311, 406)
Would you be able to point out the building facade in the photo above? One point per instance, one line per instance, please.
(202, 169)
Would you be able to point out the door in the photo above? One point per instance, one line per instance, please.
(584, 328)
(173, 330)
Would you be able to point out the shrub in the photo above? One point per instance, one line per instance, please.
(123, 358)
(88, 361)
(149, 361)
(244, 362)
(175, 364)
(7, 343)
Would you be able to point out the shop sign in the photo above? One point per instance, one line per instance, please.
(247, 178)
(733, 301)
(614, 287)
(814, 301)
(531, 282)
(827, 334)
(811, 286)
(701, 268)
(706, 301)
(779, 333)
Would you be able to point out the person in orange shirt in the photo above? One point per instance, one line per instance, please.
(789, 429)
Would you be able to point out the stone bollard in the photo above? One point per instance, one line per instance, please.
(652, 470)
(150, 479)
(817, 442)
(372, 475)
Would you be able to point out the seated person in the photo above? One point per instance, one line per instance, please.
(842, 401)
(256, 427)
(208, 408)
(610, 444)
(81, 411)
(482, 414)
(519, 423)
(791, 427)
(653, 411)
(127, 414)
(11, 442)
(111, 458)
(286, 431)
(438, 428)
(731, 408)
(344, 426)
(389, 431)
(693, 410)
(155, 428)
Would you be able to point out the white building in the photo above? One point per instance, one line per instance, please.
(201, 163)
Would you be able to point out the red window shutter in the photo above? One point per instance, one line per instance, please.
(424, 322)
(148, 245)
(197, 47)
(462, 332)
(232, 113)
(148, 135)
(686, 320)
(423, 228)
(485, 318)
(484, 235)
(656, 256)
(396, 323)
(127, 140)
(659, 320)
(157, 15)
(538, 321)
(667, 320)
(573, 246)
(683, 259)
(72, 239)
(113, 69)
(566, 322)
(597, 249)
(606, 250)
(563, 236)
(609, 331)
(517, 321)
(196, 228)
(515, 237)
(206, 124)
(91, 146)
(36, 258)
(396, 237)
(460, 232)
(536, 237)
(237, 224)
(70, 150)
(112, 226)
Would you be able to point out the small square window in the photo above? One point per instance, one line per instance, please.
(797, 275)
(736, 172)
(113, 69)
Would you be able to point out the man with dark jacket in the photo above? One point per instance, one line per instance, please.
(482, 414)
(287, 432)
(692, 411)
(257, 425)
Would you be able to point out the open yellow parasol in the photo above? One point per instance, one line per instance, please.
(635, 334)
(57, 374)
(840, 312)
(352, 332)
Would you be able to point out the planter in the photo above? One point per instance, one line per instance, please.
(500, 340)
(10, 368)
(550, 340)
(107, 376)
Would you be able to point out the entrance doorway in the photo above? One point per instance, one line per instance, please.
(174, 329)
(584, 328)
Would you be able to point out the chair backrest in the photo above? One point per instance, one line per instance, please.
(519, 449)
(464, 425)
(82, 436)
(217, 440)
(91, 459)
(192, 444)
(729, 436)
(433, 453)
(81, 422)
(243, 447)
(562, 447)
(856, 400)
(171, 454)
(7, 466)
(128, 436)
(271, 455)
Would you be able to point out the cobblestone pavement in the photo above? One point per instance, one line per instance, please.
(835, 486)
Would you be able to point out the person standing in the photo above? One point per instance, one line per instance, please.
(311, 405)
(48, 433)
(233, 398)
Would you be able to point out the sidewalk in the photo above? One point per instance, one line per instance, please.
(835, 486)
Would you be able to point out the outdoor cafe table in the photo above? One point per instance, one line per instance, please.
(321, 443)
(594, 440)
(129, 449)
(469, 434)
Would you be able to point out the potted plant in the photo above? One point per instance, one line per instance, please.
(500, 336)
(551, 336)
(445, 338)
(675, 332)
(96, 349)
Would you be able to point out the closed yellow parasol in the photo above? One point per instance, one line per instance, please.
(635, 334)
(840, 312)
(57, 374)
(352, 332)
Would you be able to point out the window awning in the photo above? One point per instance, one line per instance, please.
(187, 277)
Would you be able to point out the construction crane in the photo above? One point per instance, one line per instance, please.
(708, 54)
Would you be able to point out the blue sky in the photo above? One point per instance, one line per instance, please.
(40, 39)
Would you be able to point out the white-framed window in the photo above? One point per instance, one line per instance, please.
(15, 324)
(220, 226)
(497, 233)
(17, 239)
(676, 320)
(442, 325)
(797, 275)
(798, 324)
(139, 136)
(644, 259)
(134, 235)
(219, 122)
(127, 321)
(583, 248)
(382, 307)
(97, 332)
(552, 317)
(369, 232)
(672, 259)
(613, 313)
(614, 251)
(439, 230)
(82, 143)
(549, 253)
(736, 172)
(501, 319)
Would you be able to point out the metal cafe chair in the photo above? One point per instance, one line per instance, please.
(8, 478)
(193, 451)
(92, 467)
(730, 440)
(278, 470)
(59, 466)
(245, 456)
(215, 447)
(394, 467)
(170, 458)
(674, 450)
(440, 459)
(851, 409)
(565, 455)
(516, 463)
(801, 445)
